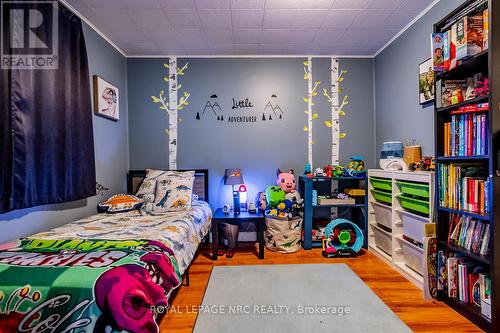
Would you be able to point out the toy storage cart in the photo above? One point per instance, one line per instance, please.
(408, 215)
(356, 213)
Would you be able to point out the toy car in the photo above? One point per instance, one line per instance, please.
(425, 164)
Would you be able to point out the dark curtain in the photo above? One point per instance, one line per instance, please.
(47, 148)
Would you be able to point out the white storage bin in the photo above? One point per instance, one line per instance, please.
(414, 226)
(383, 214)
(413, 256)
(383, 239)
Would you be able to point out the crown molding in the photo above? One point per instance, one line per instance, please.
(99, 32)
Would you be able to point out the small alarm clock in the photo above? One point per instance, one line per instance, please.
(226, 208)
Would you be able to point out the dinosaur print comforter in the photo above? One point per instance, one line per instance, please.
(106, 273)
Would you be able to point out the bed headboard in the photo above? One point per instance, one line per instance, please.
(200, 185)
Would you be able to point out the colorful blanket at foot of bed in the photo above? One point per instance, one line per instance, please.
(85, 285)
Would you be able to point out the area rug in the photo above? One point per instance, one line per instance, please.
(292, 298)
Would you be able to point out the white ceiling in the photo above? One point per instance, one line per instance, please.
(249, 27)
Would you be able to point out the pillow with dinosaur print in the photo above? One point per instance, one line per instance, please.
(148, 186)
(173, 192)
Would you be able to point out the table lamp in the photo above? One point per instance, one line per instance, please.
(233, 177)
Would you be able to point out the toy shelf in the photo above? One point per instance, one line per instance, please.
(385, 236)
(324, 186)
(484, 62)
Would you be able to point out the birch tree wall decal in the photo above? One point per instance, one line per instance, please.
(172, 106)
(311, 92)
(337, 110)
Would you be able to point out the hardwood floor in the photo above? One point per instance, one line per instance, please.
(398, 293)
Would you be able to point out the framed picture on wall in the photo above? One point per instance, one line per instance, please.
(426, 87)
(106, 97)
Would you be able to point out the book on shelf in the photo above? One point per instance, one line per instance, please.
(437, 45)
(469, 35)
(485, 29)
(466, 37)
(466, 281)
(466, 133)
(471, 234)
(460, 188)
(471, 108)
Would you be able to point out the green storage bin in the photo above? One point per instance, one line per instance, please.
(381, 196)
(381, 184)
(414, 189)
(414, 205)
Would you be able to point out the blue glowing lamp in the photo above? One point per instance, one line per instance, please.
(234, 177)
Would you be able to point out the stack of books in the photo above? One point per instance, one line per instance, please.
(467, 133)
(460, 189)
(466, 281)
(471, 234)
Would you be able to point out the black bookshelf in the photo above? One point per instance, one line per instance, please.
(484, 62)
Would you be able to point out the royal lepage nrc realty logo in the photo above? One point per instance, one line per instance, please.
(29, 34)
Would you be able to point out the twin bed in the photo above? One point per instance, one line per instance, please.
(104, 273)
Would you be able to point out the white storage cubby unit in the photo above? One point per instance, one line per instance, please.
(389, 223)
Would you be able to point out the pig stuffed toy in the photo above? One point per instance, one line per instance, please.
(286, 180)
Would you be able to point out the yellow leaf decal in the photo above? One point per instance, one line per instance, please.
(315, 116)
(342, 113)
(166, 65)
(340, 79)
(155, 99)
(306, 112)
(167, 131)
(306, 99)
(165, 78)
(313, 142)
(317, 82)
(314, 93)
(328, 123)
(342, 135)
(305, 63)
(306, 128)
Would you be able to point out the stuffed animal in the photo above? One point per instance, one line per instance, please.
(307, 169)
(286, 180)
(328, 170)
(274, 196)
(319, 172)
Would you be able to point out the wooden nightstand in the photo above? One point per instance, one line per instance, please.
(220, 217)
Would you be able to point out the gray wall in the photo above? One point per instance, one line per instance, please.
(257, 148)
(111, 151)
(397, 111)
